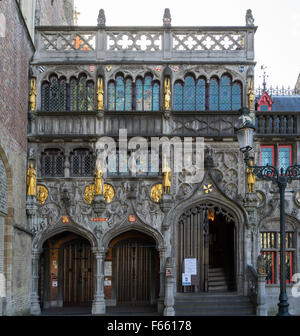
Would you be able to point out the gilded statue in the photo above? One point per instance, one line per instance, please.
(251, 96)
(42, 194)
(31, 181)
(98, 179)
(167, 94)
(100, 94)
(32, 95)
(156, 192)
(251, 178)
(166, 177)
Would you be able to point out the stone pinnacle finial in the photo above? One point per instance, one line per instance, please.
(249, 18)
(101, 18)
(167, 18)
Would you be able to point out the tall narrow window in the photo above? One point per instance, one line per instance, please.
(111, 96)
(284, 157)
(189, 94)
(267, 155)
(82, 162)
(62, 94)
(200, 95)
(82, 94)
(139, 95)
(54, 94)
(73, 94)
(236, 96)
(90, 96)
(45, 96)
(120, 93)
(128, 95)
(148, 93)
(156, 97)
(213, 95)
(52, 162)
(178, 95)
(225, 93)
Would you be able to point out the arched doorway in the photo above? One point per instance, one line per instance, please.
(206, 250)
(134, 278)
(66, 271)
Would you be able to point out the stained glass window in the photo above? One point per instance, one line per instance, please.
(113, 163)
(128, 95)
(73, 94)
(267, 155)
(54, 94)
(153, 159)
(236, 96)
(90, 96)
(82, 94)
(178, 93)
(120, 93)
(189, 94)
(139, 95)
(62, 94)
(111, 96)
(148, 94)
(213, 95)
(225, 94)
(142, 164)
(200, 95)
(155, 97)
(45, 96)
(284, 157)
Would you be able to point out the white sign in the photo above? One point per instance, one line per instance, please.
(186, 279)
(54, 283)
(190, 266)
(107, 282)
(108, 268)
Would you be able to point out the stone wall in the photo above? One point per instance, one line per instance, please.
(55, 12)
(16, 51)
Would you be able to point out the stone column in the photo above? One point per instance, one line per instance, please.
(67, 163)
(169, 291)
(261, 308)
(35, 308)
(99, 307)
(160, 303)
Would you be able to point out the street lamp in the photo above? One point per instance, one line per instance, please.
(245, 133)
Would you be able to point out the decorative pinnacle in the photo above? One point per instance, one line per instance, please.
(249, 18)
(167, 18)
(264, 76)
(101, 18)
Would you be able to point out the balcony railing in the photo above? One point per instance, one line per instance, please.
(277, 123)
(144, 43)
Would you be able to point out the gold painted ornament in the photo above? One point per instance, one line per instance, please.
(42, 194)
(156, 192)
(89, 193)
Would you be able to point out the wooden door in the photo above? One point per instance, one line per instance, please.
(134, 272)
(192, 242)
(78, 270)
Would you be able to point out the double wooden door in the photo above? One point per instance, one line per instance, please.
(78, 272)
(134, 272)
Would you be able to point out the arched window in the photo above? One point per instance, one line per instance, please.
(236, 96)
(189, 94)
(200, 94)
(178, 95)
(52, 162)
(213, 95)
(225, 93)
(54, 94)
(123, 95)
(82, 162)
(80, 93)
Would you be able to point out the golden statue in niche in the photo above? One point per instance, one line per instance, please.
(166, 176)
(32, 94)
(251, 96)
(98, 179)
(31, 181)
(167, 94)
(156, 192)
(42, 194)
(100, 94)
(251, 177)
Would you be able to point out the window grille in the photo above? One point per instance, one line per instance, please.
(52, 162)
(82, 162)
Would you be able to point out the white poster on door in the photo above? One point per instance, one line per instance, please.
(190, 266)
(186, 279)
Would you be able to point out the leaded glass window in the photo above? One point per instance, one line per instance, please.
(236, 96)
(178, 95)
(128, 95)
(156, 96)
(213, 95)
(111, 96)
(148, 93)
(52, 163)
(284, 157)
(120, 93)
(225, 93)
(73, 94)
(82, 162)
(45, 96)
(189, 94)
(200, 94)
(139, 95)
(267, 155)
(82, 94)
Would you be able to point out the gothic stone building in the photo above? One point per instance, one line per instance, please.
(138, 237)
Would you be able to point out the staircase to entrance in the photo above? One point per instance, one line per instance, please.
(215, 303)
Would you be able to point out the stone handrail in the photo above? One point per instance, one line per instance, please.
(256, 290)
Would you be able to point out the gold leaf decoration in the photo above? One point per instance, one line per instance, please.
(156, 192)
(89, 193)
(42, 194)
